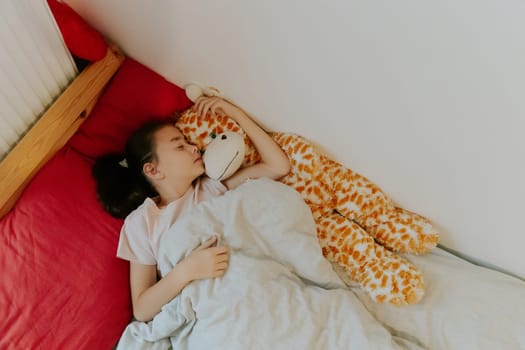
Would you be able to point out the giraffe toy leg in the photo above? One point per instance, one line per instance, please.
(386, 277)
(404, 232)
(362, 201)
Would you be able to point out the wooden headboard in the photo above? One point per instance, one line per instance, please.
(54, 128)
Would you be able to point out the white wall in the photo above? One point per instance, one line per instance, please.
(423, 97)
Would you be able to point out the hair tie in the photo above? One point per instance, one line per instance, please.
(123, 163)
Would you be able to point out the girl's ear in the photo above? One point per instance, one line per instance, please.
(151, 171)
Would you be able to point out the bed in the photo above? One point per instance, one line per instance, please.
(63, 288)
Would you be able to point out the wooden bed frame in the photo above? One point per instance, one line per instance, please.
(54, 128)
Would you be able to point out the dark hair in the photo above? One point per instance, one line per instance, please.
(120, 182)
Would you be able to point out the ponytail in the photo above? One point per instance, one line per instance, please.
(118, 189)
(120, 183)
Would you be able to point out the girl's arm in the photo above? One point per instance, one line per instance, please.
(274, 162)
(148, 296)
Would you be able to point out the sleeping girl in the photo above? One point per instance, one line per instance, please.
(156, 181)
(267, 287)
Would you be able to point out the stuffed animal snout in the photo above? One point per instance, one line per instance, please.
(224, 155)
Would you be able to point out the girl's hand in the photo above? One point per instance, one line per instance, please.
(207, 261)
(214, 105)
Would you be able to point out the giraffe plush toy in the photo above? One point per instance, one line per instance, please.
(358, 226)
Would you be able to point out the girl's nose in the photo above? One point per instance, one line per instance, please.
(193, 148)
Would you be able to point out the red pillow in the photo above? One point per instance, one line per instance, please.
(62, 286)
(81, 39)
(135, 95)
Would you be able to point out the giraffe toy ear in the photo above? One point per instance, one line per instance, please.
(194, 91)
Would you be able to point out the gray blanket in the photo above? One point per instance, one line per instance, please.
(278, 292)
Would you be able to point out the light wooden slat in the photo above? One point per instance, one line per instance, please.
(54, 128)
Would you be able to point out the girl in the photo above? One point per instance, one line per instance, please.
(158, 180)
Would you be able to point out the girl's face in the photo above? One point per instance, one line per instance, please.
(176, 158)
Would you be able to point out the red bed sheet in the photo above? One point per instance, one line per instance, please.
(62, 286)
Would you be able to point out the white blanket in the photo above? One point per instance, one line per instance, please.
(278, 293)
(465, 307)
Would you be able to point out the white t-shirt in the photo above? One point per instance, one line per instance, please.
(143, 228)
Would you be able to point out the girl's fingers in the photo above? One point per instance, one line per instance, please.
(205, 104)
(212, 105)
(199, 100)
(221, 250)
(198, 108)
(221, 269)
(222, 258)
(210, 242)
(219, 273)
(215, 107)
(201, 106)
(197, 103)
(222, 266)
